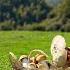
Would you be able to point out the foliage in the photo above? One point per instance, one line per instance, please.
(34, 15)
(23, 11)
(59, 17)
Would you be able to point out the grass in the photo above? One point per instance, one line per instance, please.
(22, 42)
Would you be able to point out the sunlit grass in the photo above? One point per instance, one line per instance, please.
(22, 42)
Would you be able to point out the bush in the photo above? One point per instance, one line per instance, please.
(67, 27)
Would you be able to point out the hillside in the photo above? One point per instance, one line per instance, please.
(44, 15)
(23, 11)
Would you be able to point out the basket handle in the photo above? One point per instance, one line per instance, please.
(40, 51)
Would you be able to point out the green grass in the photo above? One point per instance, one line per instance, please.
(22, 42)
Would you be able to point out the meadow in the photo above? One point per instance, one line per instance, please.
(22, 42)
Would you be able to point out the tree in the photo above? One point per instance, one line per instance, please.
(63, 9)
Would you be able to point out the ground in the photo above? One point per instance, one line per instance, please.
(22, 42)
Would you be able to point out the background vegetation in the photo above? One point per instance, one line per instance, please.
(41, 15)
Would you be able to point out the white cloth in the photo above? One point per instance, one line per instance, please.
(59, 54)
